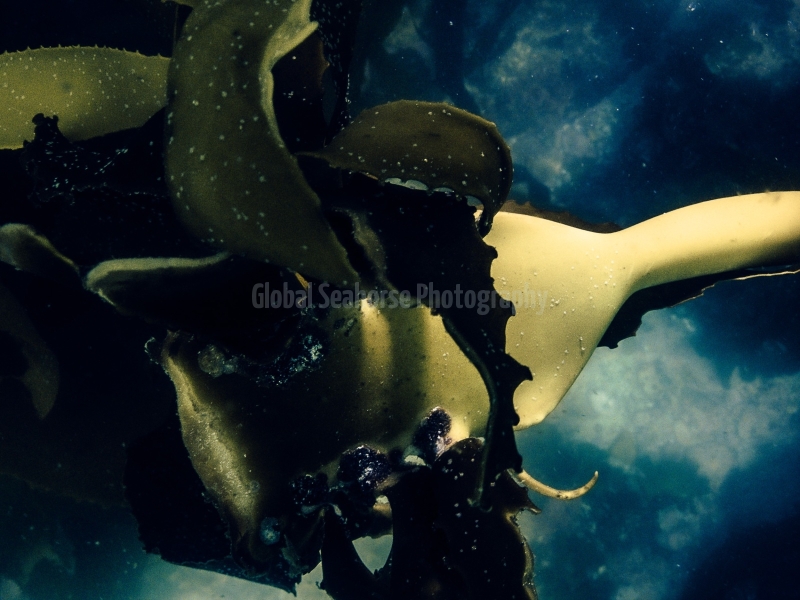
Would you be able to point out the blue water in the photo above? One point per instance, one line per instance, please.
(615, 111)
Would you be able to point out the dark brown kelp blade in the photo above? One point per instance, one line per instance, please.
(443, 547)
(107, 392)
(487, 548)
(338, 26)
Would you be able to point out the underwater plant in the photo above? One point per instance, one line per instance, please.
(295, 200)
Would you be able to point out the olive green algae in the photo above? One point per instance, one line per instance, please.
(436, 144)
(234, 183)
(93, 91)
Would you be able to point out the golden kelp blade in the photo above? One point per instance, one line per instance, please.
(234, 183)
(93, 91)
(567, 283)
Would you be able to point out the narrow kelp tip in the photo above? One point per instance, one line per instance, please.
(545, 490)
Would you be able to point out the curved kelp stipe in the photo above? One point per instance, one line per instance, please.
(93, 91)
(234, 183)
(545, 490)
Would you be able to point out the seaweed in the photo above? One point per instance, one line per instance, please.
(303, 425)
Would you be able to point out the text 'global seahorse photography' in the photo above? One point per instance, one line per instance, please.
(326, 296)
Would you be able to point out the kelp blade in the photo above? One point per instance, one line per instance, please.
(234, 183)
(567, 284)
(93, 91)
(437, 144)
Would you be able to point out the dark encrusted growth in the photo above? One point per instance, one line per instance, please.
(309, 492)
(89, 196)
(442, 544)
(364, 467)
(431, 437)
